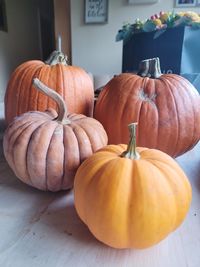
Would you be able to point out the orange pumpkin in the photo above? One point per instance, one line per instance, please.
(167, 108)
(71, 82)
(131, 197)
(44, 149)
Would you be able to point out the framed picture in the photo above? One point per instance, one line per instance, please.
(185, 3)
(3, 20)
(141, 2)
(96, 11)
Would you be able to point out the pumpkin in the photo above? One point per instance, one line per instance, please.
(131, 197)
(44, 149)
(166, 107)
(71, 82)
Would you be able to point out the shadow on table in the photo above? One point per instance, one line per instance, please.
(63, 219)
(190, 163)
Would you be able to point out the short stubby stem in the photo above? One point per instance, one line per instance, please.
(57, 57)
(150, 68)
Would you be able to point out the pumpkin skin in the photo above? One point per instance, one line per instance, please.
(166, 108)
(131, 203)
(71, 82)
(44, 150)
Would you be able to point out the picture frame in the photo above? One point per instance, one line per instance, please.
(185, 3)
(3, 19)
(142, 2)
(96, 11)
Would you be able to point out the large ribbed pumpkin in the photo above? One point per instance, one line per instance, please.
(71, 82)
(131, 197)
(166, 106)
(44, 149)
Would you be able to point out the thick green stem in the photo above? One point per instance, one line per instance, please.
(150, 68)
(62, 109)
(131, 152)
(57, 57)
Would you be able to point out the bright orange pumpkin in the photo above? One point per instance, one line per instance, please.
(131, 197)
(44, 149)
(71, 82)
(166, 106)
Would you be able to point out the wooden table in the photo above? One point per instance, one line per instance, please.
(42, 229)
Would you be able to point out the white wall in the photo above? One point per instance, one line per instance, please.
(21, 42)
(94, 47)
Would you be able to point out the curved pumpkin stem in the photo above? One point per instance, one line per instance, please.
(62, 108)
(57, 57)
(150, 68)
(131, 152)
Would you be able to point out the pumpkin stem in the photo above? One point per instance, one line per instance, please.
(131, 152)
(62, 109)
(57, 57)
(150, 68)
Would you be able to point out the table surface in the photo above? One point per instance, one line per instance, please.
(42, 229)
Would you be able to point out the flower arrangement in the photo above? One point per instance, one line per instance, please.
(159, 23)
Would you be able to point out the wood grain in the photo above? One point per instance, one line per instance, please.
(43, 229)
